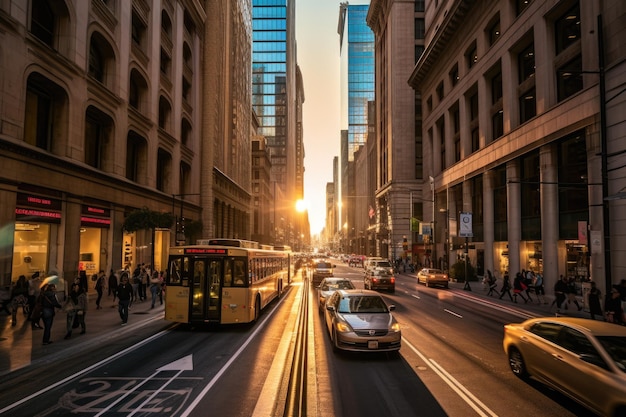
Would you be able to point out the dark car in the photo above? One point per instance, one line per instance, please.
(379, 279)
(360, 320)
(321, 270)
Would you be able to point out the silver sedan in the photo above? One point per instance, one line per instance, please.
(328, 286)
(360, 320)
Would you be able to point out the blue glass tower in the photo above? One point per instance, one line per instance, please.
(358, 42)
(269, 79)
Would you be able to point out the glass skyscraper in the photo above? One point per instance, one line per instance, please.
(269, 79)
(358, 42)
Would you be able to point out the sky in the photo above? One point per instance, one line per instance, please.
(318, 57)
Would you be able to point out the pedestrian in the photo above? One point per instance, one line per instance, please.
(594, 301)
(571, 294)
(519, 287)
(155, 286)
(506, 286)
(75, 308)
(491, 282)
(613, 308)
(135, 284)
(19, 298)
(35, 315)
(113, 284)
(124, 295)
(34, 288)
(143, 284)
(49, 304)
(560, 291)
(100, 286)
(82, 279)
(540, 291)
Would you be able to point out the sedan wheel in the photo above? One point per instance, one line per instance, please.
(516, 362)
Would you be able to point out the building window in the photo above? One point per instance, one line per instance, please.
(419, 50)
(494, 31)
(471, 56)
(531, 196)
(164, 171)
(166, 25)
(419, 5)
(166, 63)
(442, 138)
(137, 91)
(521, 5)
(186, 90)
(569, 78)
(184, 182)
(497, 124)
(456, 131)
(475, 139)
(43, 22)
(429, 103)
(98, 127)
(138, 30)
(496, 88)
(454, 75)
(101, 60)
(45, 113)
(440, 91)
(526, 63)
(420, 28)
(135, 156)
(497, 113)
(473, 116)
(527, 105)
(165, 112)
(573, 190)
(185, 132)
(567, 29)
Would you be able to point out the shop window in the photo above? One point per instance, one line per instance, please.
(31, 243)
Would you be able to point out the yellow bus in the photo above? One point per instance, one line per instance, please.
(226, 283)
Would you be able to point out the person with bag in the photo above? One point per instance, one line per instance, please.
(37, 312)
(75, 307)
(124, 295)
(49, 304)
(155, 287)
(100, 286)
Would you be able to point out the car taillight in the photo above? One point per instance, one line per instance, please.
(393, 280)
(375, 279)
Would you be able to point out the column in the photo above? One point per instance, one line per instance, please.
(548, 160)
(514, 216)
(488, 219)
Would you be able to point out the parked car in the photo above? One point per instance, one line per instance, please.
(432, 276)
(328, 286)
(321, 270)
(360, 320)
(379, 279)
(584, 359)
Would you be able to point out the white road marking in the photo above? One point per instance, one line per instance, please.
(477, 405)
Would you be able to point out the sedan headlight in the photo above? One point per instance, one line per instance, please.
(395, 327)
(343, 327)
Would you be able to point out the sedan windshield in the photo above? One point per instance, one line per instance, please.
(339, 285)
(323, 265)
(362, 304)
(616, 348)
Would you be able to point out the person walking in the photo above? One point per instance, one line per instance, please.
(594, 301)
(519, 287)
(155, 284)
(506, 286)
(560, 289)
(613, 307)
(124, 295)
(113, 284)
(34, 289)
(540, 291)
(49, 304)
(82, 279)
(76, 308)
(100, 286)
(571, 294)
(19, 298)
(491, 282)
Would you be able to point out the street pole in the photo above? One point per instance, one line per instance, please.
(467, 285)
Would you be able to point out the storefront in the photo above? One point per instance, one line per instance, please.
(37, 220)
(95, 223)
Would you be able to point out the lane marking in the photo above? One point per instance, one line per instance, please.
(227, 365)
(453, 313)
(465, 394)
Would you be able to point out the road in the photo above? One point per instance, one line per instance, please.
(451, 363)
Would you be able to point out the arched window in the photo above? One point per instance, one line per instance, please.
(137, 90)
(42, 22)
(166, 25)
(101, 60)
(164, 171)
(98, 130)
(136, 158)
(185, 132)
(45, 121)
(165, 111)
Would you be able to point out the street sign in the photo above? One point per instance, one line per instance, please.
(465, 228)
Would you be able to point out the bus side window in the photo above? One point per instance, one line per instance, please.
(228, 272)
(240, 274)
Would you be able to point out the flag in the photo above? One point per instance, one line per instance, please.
(371, 212)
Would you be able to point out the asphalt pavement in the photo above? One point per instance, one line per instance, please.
(22, 346)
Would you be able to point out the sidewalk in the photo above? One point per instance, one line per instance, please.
(534, 307)
(20, 346)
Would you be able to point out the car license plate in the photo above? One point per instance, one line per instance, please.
(372, 344)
